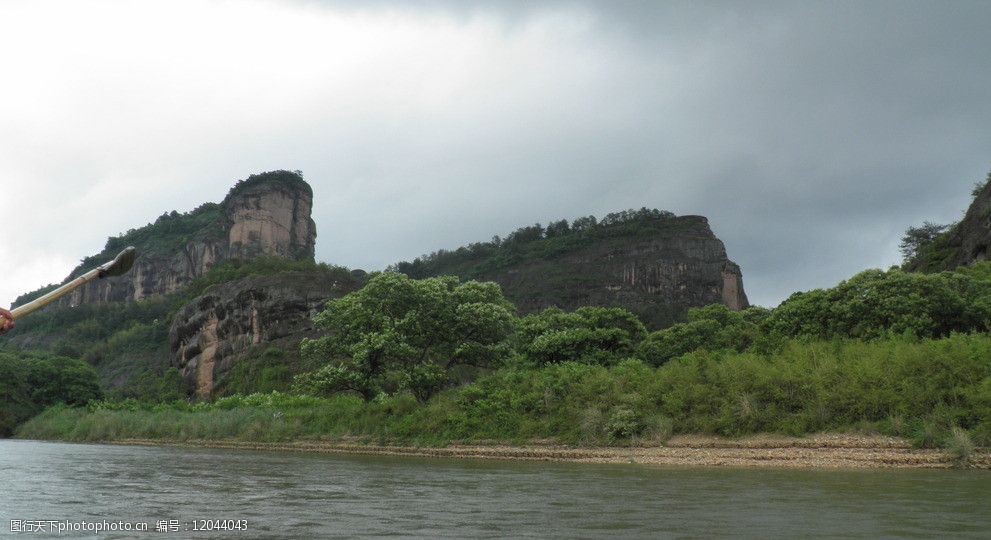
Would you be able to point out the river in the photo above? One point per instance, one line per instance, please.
(295, 495)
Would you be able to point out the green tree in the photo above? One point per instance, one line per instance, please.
(31, 381)
(876, 303)
(584, 224)
(398, 334)
(557, 228)
(53, 379)
(916, 239)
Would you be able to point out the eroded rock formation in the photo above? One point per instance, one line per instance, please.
(271, 220)
(267, 214)
(211, 333)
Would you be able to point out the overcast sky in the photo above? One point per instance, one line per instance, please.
(812, 134)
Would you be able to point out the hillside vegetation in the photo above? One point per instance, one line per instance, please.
(127, 343)
(532, 242)
(29, 382)
(435, 361)
(919, 390)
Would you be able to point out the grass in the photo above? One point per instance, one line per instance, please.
(935, 392)
(960, 447)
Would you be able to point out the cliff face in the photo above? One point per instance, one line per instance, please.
(267, 214)
(659, 277)
(271, 220)
(212, 332)
(658, 270)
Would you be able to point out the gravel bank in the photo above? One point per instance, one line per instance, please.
(815, 452)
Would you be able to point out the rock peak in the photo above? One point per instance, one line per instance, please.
(270, 215)
(266, 214)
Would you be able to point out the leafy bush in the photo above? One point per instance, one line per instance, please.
(818, 386)
(29, 382)
(400, 334)
(876, 303)
(263, 369)
(712, 328)
(591, 335)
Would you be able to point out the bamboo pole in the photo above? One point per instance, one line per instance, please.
(120, 265)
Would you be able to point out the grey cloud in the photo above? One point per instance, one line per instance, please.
(811, 134)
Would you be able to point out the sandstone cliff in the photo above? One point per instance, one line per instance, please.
(270, 219)
(266, 214)
(657, 265)
(212, 332)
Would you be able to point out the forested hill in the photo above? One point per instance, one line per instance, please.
(652, 262)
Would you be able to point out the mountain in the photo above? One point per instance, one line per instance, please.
(221, 296)
(266, 214)
(262, 232)
(653, 263)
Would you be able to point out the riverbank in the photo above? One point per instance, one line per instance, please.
(814, 452)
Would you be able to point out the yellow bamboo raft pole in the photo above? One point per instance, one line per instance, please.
(120, 265)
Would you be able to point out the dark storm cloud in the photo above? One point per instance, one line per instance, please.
(811, 134)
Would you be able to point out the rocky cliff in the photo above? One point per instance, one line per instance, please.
(266, 214)
(214, 331)
(270, 218)
(964, 243)
(653, 263)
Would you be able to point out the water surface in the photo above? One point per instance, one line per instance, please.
(296, 495)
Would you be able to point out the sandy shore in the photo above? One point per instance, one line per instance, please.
(815, 452)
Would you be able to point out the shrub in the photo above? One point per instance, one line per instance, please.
(960, 447)
(876, 303)
(29, 382)
(712, 328)
(591, 335)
